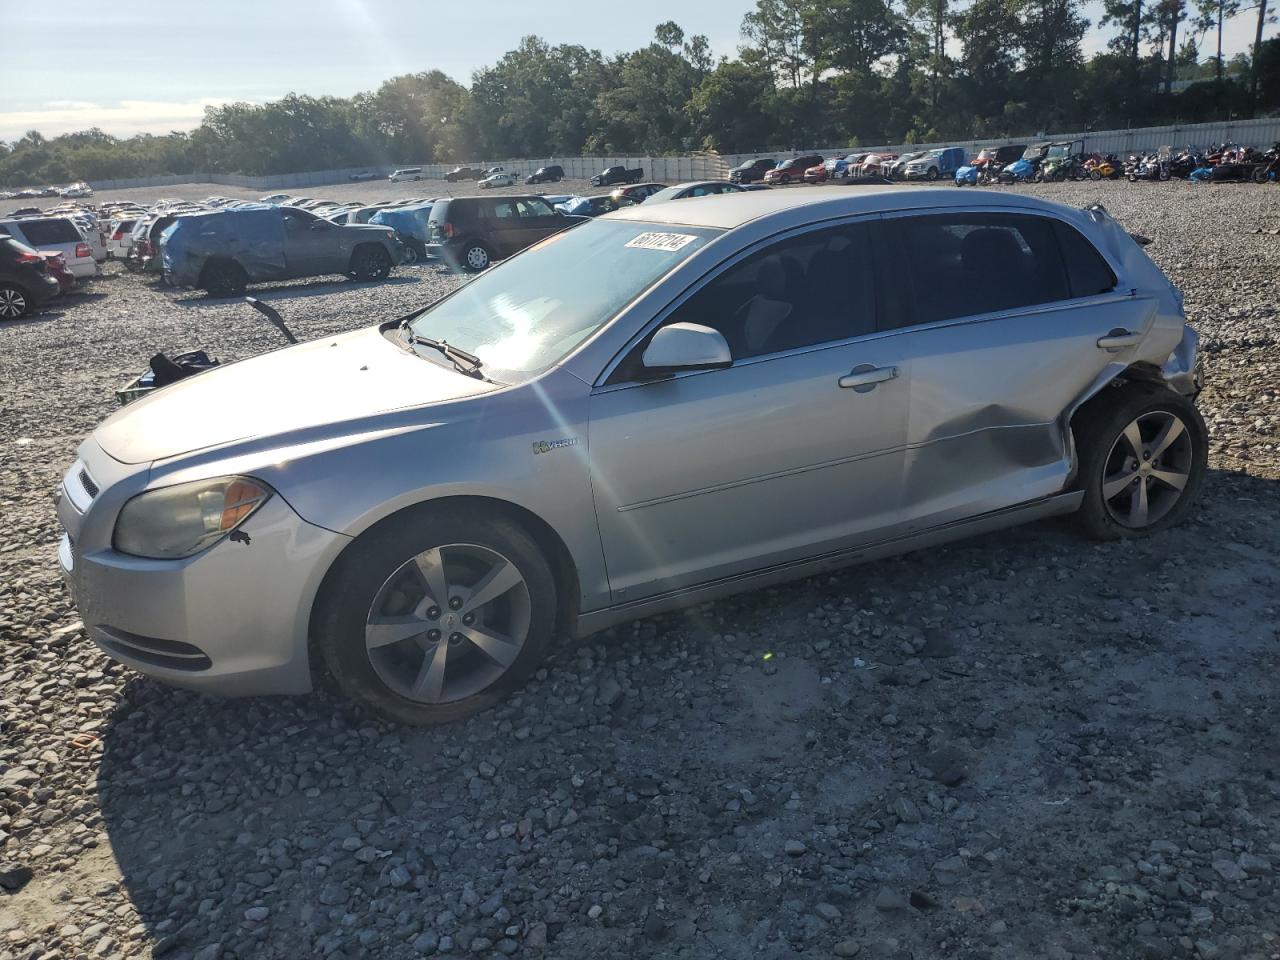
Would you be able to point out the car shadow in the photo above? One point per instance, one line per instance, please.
(307, 807)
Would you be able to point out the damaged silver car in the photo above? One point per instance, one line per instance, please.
(659, 407)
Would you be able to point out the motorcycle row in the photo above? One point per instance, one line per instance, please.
(1066, 160)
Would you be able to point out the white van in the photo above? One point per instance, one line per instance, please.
(408, 173)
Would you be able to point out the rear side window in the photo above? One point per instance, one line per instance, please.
(961, 265)
(1087, 273)
(43, 233)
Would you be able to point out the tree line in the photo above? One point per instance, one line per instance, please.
(808, 72)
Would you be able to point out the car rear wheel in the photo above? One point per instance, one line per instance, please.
(13, 302)
(476, 257)
(1142, 462)
(410, 254)
(438, 615)
(370, 262)
(224, 278)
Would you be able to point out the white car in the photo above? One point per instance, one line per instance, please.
(76, 190)
(504, 179)
(58, 235)
(277, 198)
(119, 236)
(406, 173)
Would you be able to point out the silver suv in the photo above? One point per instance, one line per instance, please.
(222, 251)
(662, 406)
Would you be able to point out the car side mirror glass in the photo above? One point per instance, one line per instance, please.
(686, 346)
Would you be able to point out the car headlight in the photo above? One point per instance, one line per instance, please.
(179, 521)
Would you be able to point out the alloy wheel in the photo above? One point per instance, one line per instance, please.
(1147, 469)
(477, 258)
(12, 303)
(448, 623)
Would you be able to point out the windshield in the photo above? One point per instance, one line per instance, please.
(527, 314)
(1060, 150)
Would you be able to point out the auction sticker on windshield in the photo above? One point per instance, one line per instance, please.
(661, 241)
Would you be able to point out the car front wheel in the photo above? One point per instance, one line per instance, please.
(437, 615)
(13, 302)
(1142, 462)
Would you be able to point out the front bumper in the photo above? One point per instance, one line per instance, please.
(232, 620)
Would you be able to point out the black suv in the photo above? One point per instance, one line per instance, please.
(464, 173)
(24, 280)
(472, 232)
(551, 174)
(751, 171)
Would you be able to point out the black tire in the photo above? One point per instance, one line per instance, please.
(410, 254)
(369, 262)
(1104, 455)
(341, 618)
(476, 257)
(932, 174)
(224, 278)
(15, 302)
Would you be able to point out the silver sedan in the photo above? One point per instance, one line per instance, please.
(659, 407)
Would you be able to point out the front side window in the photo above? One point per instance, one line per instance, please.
(961, 265)
(806, 290)
(525, 315)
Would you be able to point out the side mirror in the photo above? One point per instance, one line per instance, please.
(686, 346)
(321, 225)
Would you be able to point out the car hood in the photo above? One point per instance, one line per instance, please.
(314, 384)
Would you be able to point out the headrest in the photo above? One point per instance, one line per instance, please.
(989, 248)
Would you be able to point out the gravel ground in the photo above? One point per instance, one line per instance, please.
(1027, 745)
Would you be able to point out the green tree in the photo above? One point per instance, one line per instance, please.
(725, 110)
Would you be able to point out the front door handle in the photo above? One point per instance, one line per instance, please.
(865, 376)
(1118, 339)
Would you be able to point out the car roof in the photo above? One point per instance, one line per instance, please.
(729, 210)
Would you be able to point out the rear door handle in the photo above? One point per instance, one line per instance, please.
(864, 377)
(1118, 339)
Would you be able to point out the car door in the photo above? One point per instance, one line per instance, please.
(1004, 321)
(502, 224)
(537, 220)
(792, 451)
(308, 249)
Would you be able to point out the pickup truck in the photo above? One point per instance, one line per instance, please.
(223, 251)
(943, 162)
(617, 174)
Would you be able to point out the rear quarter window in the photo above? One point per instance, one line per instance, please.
(43, 233)
(1087, 272)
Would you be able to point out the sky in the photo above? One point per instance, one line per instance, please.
(148, 66)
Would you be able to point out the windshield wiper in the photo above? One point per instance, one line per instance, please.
(465, 362)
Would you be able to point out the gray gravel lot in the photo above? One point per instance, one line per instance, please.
(1026, 745)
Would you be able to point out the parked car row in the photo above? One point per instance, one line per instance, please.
(45, 253)
(72, 191)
